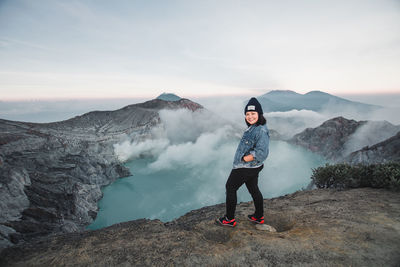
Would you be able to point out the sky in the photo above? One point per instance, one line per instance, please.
(53, 49)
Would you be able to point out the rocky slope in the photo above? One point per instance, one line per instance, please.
(386, 151)
(329, 138)
(358, 227)
(338, 137)
(51, 173)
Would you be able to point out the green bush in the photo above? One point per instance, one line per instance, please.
(385, 175)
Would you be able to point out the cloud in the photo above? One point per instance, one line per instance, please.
(292, 122)
(182, 126)
(205, 151)
(227, 107)
(181, 136)
(369, 134)
(389, 108)
(149, 148)
(105, 40)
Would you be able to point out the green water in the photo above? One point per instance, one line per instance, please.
(168, 193)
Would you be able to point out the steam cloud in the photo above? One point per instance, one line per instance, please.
(369, 134)
(292, 122)
(204, 145)
(182, 136)
(148, 148)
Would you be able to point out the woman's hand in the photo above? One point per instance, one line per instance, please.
(248, 158)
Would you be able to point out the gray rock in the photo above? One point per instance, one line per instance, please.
(329, 138)
(265, 227)
(5, 236)
(13, 198)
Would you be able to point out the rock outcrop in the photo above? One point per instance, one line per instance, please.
(358, 227)
(338, 137)
(51, 173)
(329, 138)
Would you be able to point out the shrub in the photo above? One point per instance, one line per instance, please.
(384, 175)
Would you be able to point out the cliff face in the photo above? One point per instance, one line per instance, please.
(51, 173)
(329, 138)
(358, 227)
(337, 138)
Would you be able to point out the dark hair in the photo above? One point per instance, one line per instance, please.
(261, 120)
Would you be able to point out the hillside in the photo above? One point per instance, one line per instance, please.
(329, 138)
(338, 137)
(358, 227)
(51, 173)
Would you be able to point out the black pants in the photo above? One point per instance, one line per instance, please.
(236, 179)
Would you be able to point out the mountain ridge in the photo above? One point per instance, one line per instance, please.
(286, 100)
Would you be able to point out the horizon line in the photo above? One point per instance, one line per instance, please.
(190, 96)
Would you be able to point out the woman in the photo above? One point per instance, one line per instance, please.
(248, 162)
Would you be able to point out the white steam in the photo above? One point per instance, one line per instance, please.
(181, 126)
(207, 149)
(203, 147)
(369, 134)
(182, 137)
(292, 122)
(149, 148)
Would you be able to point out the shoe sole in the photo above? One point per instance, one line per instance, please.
(255, 221)
(224, 224)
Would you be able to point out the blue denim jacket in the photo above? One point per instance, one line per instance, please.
(255, 141)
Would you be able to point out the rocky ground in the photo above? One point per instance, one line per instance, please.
(358, 227)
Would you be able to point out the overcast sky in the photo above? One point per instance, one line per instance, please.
(102, 49)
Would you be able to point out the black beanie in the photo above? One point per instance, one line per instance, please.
(253, 105)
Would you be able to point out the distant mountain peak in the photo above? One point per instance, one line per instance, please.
(169, 97)
(286, 92)
(316, 92)
(286, 100)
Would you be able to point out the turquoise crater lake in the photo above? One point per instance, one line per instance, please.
(168, 193)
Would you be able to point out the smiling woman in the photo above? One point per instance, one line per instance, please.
(250, 154)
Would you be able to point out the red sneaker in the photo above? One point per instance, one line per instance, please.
(225, 222)
(256, 220)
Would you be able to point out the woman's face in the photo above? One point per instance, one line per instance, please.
(251, 117)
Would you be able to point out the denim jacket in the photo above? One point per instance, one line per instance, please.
(255, 141)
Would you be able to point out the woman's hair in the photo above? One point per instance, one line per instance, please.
(261, 120)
